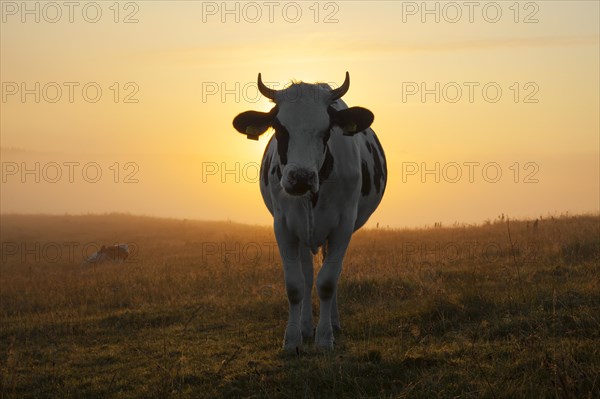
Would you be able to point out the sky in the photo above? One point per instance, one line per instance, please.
(483, 108)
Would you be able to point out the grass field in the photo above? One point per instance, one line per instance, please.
(501, 310)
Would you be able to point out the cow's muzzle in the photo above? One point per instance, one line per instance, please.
(299, 181)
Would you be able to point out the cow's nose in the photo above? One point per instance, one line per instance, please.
(300, 181)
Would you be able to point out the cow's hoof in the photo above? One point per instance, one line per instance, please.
(292, 341)
(324, 338)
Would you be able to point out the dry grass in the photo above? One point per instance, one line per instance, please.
(199, 310)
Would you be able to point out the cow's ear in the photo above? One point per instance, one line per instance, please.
(254, 123)
(352, 120)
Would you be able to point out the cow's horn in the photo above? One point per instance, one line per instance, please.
(265, 91)
(340, 91)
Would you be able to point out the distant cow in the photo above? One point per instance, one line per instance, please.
(115, 253)
(322, 175)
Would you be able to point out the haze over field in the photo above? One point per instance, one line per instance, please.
(486, 111)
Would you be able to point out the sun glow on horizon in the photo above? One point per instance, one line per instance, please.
(519, 98)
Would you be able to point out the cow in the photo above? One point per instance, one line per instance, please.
(323, 173)
(115, 253)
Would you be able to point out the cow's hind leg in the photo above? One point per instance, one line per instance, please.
(306, 259)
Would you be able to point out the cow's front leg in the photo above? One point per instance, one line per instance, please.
(335, 314)
(294, 285)
(327, 288)
(306, 259)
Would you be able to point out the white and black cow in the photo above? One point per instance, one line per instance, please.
(323, 174)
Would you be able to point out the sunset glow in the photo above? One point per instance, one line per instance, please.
(497, 114)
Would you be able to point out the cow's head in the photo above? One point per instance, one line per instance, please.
(302, 118)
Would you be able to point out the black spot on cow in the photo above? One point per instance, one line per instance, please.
(265, 169)
(380, 148)
(380, 169)
(378, 174)
(327, 167)
(366, 179)
(283, 138)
